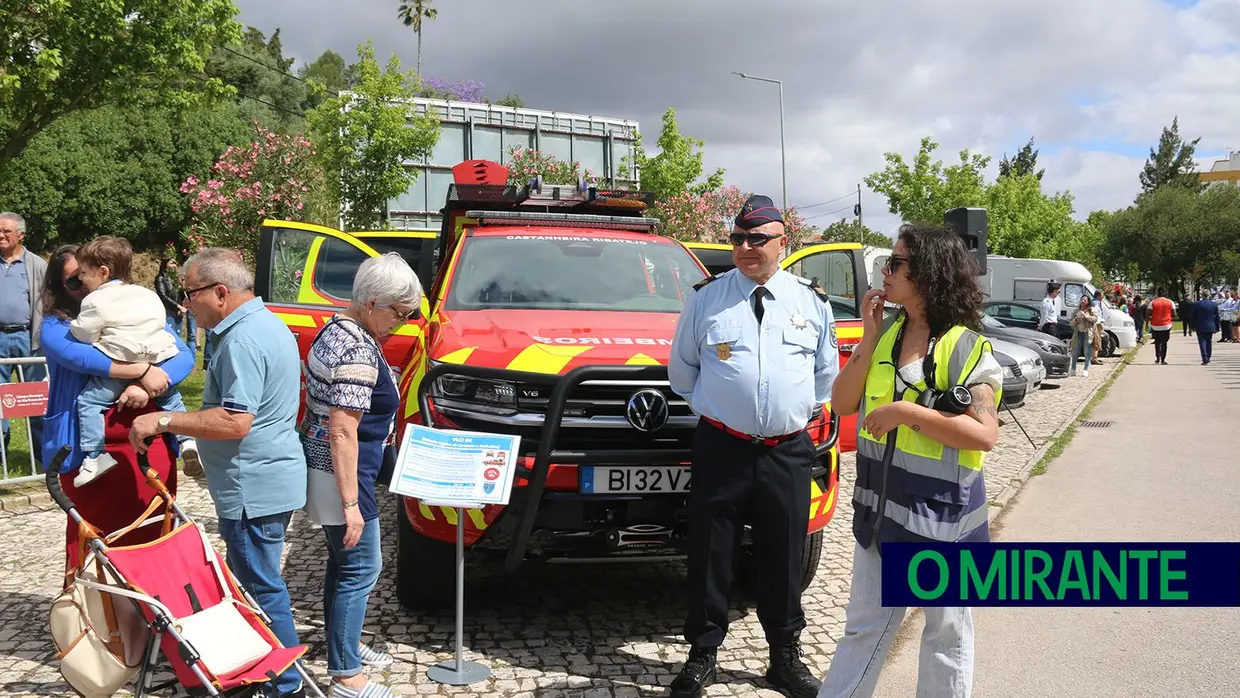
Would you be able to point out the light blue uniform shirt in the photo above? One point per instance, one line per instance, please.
(767, 380)
(255, 368)
(14, 293)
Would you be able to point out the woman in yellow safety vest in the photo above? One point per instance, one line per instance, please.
(920, 448)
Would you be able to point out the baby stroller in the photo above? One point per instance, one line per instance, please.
(124, 604)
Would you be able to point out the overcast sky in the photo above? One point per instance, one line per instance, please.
(1093, 81)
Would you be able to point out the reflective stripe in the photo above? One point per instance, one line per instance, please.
(943, 531)
(947, 469)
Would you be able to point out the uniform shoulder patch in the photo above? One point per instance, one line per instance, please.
(813, 286)
(698, 286)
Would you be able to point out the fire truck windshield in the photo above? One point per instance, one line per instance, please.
(565, 272)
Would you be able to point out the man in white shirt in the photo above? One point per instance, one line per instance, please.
(1048, 320)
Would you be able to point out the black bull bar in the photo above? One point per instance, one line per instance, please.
(531, 495)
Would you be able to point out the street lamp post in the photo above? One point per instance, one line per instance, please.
(783, 162)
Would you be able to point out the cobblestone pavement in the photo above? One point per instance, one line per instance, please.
(562, 630)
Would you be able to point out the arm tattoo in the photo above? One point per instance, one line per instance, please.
(983, 401)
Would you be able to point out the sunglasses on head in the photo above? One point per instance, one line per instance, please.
(754, 239)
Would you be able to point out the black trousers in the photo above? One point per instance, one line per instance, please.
(1226, 328)
(737, 482)
(1161, 337)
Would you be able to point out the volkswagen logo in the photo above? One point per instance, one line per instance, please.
(647, 410)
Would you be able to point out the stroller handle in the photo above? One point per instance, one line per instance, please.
(53, 480)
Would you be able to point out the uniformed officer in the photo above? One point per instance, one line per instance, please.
(755, 356)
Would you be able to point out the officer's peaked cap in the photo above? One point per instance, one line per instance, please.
(758, 210)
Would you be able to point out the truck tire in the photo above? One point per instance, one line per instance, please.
(425, 567)
(811, 554)
(1109, 344)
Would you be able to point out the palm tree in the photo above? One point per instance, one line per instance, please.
(411, 13)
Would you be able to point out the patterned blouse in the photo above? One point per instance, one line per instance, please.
(341, 371)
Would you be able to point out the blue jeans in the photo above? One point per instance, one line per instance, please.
(16, 345)
(351, 574)
(191, 330)
(1081, 344)
(946, 662)
(254, 549)
(1205, 342)
(100, 394)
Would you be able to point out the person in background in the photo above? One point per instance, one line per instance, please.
(1100, 309)
(755, 385)
(246, 432)
(1185, 307)
(21, 313)
(1084, 326)
(1205, 324)
(1050, 317)
(1139, 312)
(168, 288)
(1162, 313)
(1227, 316)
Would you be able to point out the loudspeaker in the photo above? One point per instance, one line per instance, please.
(970, 224)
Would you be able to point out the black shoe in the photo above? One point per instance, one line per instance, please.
(697, 673)
(789, 674)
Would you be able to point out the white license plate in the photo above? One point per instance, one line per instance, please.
(634, 480)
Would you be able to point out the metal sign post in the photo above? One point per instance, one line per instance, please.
(459, 672)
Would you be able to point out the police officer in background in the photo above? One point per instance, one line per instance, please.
(755, 357)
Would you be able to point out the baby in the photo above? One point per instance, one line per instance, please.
(127, 323)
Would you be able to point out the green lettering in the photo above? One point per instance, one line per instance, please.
(915, 586)
(1143, 558)
(1015, 592)
(1072, 576)
(970, 577)
(1166, 575)
(1102, 568)
(1037, 576)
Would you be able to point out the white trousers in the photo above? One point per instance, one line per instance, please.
(945, 668)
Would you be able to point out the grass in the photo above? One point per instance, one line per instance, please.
(1061, 442)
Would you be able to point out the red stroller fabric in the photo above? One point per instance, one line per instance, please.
(176, 571)
(119, 496)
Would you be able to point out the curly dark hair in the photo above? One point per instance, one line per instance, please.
(945, 274)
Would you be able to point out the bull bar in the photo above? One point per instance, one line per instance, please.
(531, 495)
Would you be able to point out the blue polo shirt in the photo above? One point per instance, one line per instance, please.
(255, 368)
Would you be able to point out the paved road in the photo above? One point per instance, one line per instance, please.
(567, 630)
(1133, 481)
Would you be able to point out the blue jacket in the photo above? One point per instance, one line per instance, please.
(1205, 316)
(70, 365)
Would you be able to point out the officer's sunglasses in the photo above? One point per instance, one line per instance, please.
(754, 239)
(893, 263)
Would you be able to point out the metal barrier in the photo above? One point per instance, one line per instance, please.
(18, 398)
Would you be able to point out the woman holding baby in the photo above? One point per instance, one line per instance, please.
(101, 351)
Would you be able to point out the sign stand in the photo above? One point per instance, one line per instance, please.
(459, 672)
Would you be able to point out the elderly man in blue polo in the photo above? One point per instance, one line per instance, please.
(246, 432)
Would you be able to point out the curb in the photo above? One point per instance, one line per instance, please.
(22, 503)
(999, 504)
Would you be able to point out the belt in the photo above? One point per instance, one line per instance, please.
(14, 328)
(761, 440)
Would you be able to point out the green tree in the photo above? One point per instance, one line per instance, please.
(678, 166)
(412, 14)
(329, 70)
(258, 72)
(1024, 162)
(62, 56)
(364, 137)
(511, 100)
(853, 231)
(1172, 162)
(925, 191)
(1025, 222)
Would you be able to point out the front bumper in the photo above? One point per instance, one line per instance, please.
(1125, 337)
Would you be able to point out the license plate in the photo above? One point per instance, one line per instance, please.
(634, 480)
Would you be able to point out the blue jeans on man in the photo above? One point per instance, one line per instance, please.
(254, 550)
(16, 345)
(1205, 342)
(350, 577)
(98, 397)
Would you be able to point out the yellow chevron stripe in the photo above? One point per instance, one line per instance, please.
(475, 515)
(641, 360)
(543, 358)
(814, 493)
(849, 332)
(425, 511)
(296, 319)
(826, 504)
(459, 356)
(450, 514)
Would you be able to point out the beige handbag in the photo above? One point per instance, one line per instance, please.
(100, 636)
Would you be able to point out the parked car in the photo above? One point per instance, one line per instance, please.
(1052, 351)
(1022, 371)
(1025, 316)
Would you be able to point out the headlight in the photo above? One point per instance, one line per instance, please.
(1008, 374)
(1128, 322)
(481, 390)
(1044, 346)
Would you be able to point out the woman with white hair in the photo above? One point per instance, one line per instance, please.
(351, 400)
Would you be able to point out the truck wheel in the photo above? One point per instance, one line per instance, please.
(811, 554)
(1109, 344)
(425, 567)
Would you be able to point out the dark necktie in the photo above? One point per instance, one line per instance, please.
(758, 310)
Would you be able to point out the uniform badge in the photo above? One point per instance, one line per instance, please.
(798, 321)
(831, 333)
(723, 351)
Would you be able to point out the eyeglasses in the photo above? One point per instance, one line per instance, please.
(894, 263)
(754, 239)
(74, 283)
(190, 293)
(406, 315)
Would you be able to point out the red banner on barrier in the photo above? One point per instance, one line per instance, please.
(23, 399)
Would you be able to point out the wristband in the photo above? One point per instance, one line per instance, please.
(350, 505)
(148, 370)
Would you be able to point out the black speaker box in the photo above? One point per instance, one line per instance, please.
(970, 225)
